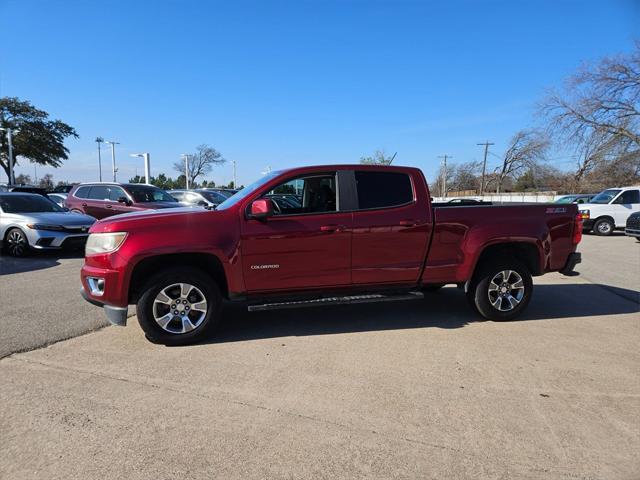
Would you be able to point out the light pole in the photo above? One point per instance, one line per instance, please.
(147, 166)
(235, 182)
(12, 177)
(113, 157)
(186, 169)
(99, 140)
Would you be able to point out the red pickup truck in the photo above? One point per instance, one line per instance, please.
(321, 235)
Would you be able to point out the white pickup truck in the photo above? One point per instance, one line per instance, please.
(610, 209)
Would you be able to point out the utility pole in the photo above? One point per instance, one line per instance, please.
(12, 176)
(113, 157)
(444, 174)
(99, 140)
(484, 164)
(235, 182)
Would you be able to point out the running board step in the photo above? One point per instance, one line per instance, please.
(371, 298)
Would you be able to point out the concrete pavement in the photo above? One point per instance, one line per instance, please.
(420, 389)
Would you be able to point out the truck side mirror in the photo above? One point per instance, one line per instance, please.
(261, 209)
(124, 200)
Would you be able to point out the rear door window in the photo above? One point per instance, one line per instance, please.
(383, 189)
(99, 192)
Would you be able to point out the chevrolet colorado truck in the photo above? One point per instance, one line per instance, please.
(346, 234)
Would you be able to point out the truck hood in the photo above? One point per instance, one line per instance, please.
(151, 218)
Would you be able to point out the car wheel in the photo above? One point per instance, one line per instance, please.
(603, 227)
(501, 292)
(179, 306)
(16, 243)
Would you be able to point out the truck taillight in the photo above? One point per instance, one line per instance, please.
(577, 229)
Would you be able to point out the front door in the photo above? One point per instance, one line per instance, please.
(623, 206)
(306, 244)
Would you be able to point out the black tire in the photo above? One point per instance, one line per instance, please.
(603, 227)
(482, 300)
(16, 243)
(194, 277)
(432, 287)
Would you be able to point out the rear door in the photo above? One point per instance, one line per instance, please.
(303, 247)
(624, 205)
(390, 228)
(95, 203)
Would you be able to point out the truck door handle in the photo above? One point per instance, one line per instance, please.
(109, 206)
(408, 223)
(332, 228)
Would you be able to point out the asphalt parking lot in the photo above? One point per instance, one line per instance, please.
(420, 389)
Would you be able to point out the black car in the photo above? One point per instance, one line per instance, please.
(633, 226)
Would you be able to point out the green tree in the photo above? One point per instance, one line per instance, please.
(38, 139)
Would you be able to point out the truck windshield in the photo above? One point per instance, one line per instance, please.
(248, 190)
(605, 197)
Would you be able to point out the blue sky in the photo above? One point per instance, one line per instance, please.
(282, 84)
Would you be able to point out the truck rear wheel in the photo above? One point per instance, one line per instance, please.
(179, 306)
(501, 291)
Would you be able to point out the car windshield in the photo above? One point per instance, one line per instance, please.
(27, 204)
(568, 199)
(605, 197)
(212, 196)
(248, 190)
(145, 194)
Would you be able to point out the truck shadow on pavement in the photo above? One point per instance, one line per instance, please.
(36, 261)
(445, 309)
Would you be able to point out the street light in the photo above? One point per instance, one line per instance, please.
(186, 168)
(99, 140)
(12, 177)
(147, 166)
(113, 157)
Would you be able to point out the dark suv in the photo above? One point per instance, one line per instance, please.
(105, 199)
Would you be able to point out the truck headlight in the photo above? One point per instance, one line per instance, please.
(98, 243)
(585, 214)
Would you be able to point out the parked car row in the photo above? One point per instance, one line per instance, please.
(610, 209)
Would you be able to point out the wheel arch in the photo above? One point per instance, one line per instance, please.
(605, 217)
(209, 263)
(526, 252)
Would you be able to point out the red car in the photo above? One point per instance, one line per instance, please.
(102, 200)
(359, 233)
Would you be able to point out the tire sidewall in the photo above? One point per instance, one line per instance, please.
(478, 293)
(144, 306)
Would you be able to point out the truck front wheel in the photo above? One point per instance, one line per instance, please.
(501, 292)
(179, 306)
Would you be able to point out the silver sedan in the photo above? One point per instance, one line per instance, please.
(30, 221)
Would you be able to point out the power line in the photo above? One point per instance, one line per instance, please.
(484, 163)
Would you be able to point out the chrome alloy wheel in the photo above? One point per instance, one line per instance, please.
(17, 243)
(179, 308)
(506, 290)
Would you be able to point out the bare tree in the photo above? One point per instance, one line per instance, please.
(378, 158)
(526, 149)
(200, 163)
(47, 181)
(598, 113)
(465, 176)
